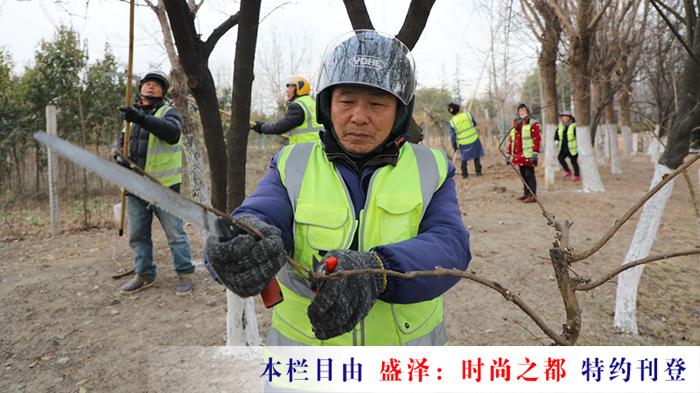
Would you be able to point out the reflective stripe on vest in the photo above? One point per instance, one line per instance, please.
(308, 130)
(163, 160)
(526, 137)
(325, 220)
(570, 137)
(464, 129)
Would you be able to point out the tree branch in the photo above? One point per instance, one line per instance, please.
(622, 268)
(357, 12)
(620, 221)
(414, 24)
(439, 271)
(594, 22)
(671, 11)
(565, 22)
(675, 32)
(533, 22)
(219, 32)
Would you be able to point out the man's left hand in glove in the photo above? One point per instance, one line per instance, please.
(132, 114)
(341, 304)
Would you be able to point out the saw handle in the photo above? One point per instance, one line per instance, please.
(272, 293)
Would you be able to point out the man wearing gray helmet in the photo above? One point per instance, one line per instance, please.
(361, 198)
(155, 145)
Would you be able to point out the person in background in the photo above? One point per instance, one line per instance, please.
(523, 147)
(566, 136)
(464, 137)
(299, 120)
(155, 144)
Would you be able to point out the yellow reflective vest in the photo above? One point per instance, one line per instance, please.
(308, 130)
(465, 131)
(526, 136)
(570, 137)
(163, 160)
(324, 220)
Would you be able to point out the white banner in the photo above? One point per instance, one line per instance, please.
(425, 369)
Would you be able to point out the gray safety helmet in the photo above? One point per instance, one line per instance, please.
(158, 76)
(373, 59)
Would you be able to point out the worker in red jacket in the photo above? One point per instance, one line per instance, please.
(523, 147)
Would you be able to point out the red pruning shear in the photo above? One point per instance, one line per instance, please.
(326, 266)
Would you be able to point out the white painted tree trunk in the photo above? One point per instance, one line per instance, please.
(655, 150)
(615, 166)
(601, 145)
(626, 140)
(589, 170)
(196, 174)
(550, 156)
(628, 281)
(635, 144)
(241, 323)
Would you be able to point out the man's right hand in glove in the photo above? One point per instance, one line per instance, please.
(341, 304)
(257, 127)
(242, 263)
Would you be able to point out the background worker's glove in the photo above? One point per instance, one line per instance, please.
(257, 127)
(245, 265)
(534, 159)
(132, 114)
(509, 160)
(341, 304)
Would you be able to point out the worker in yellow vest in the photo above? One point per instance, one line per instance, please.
(155, 144)
(464, 136)
(523, 147)
(299, 120)
(566, 136)
(361, 198)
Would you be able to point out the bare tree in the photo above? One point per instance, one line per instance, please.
(619, 40)
(545, 25)
(237, 135)
(686, 120)
(179, 93)
(194, 54)
(579, 21)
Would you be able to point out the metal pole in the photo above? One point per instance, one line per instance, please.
(51, 129)
(125, 146)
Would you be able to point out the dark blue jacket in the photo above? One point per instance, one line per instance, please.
(442, 238)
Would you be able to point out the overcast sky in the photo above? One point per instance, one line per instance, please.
(456, 38)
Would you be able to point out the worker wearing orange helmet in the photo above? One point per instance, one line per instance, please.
(299, 119)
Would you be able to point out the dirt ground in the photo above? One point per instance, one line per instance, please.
(65, 328)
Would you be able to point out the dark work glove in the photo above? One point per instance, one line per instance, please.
(534, 159)
(245, 265)
(121, 161)
(257, 127)
(341, 304)
(132, 114)
(509, 160)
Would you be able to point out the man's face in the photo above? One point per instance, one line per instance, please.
(362, 117)
(152, 88)
(566, 118)
(291, 90)
(522, 112)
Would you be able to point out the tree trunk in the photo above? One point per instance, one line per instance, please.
(611, 130)
(625, 102)
(672, 157)
(599, 133)
(241, 311)
(547, 62)
(581, 77)
(194, 55)
(237, 136)
(194, 163)
(644, 235)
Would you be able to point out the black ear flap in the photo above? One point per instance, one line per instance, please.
(300, 85)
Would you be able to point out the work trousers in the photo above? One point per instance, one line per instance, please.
(528, 173)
